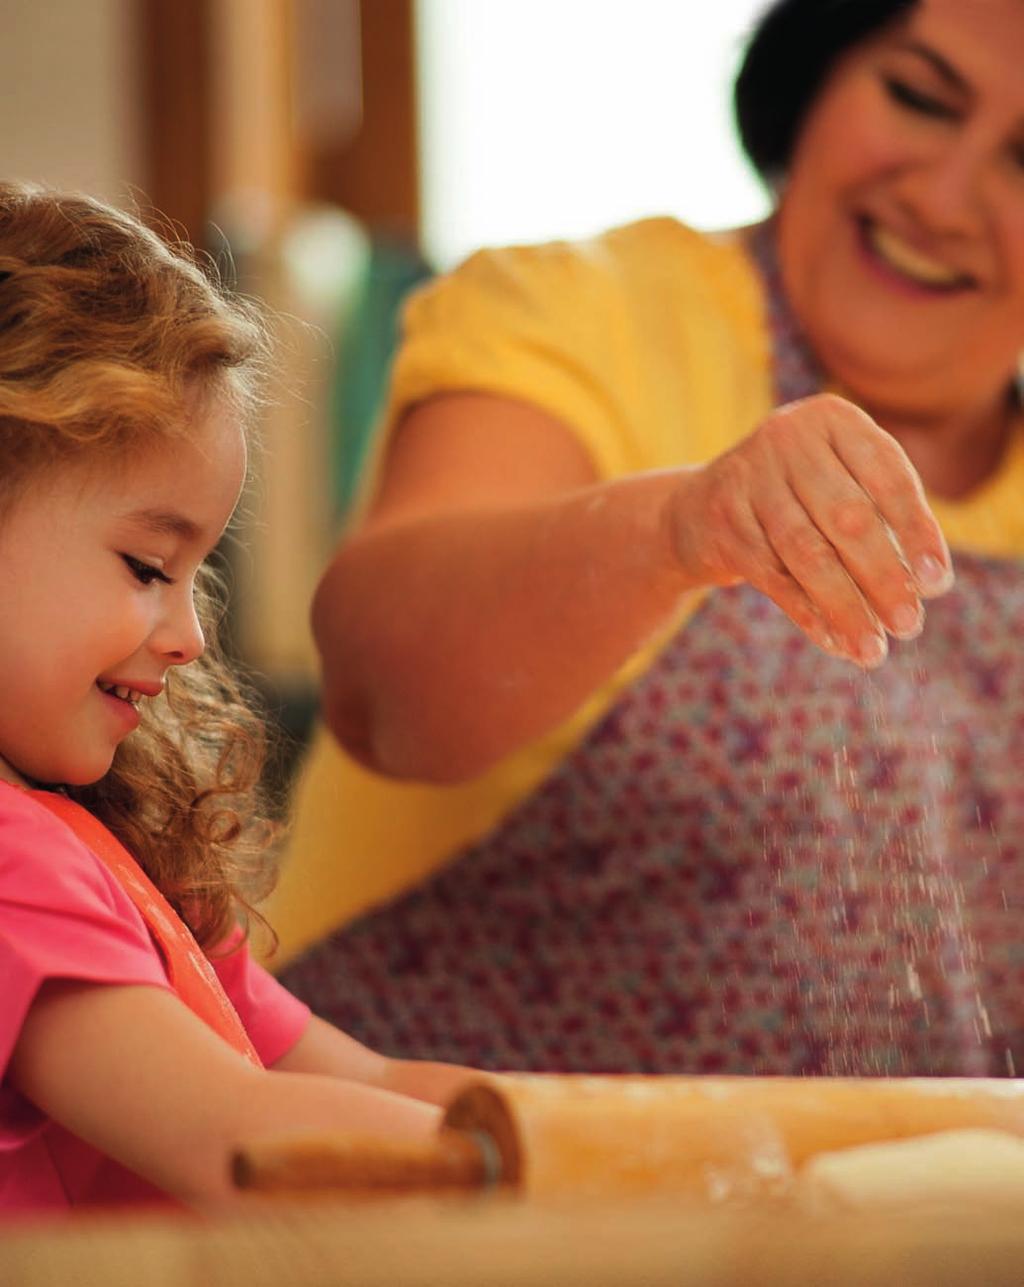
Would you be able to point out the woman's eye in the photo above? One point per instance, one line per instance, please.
(906, 96)
(144, 573)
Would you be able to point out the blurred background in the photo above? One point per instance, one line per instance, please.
(332, 154)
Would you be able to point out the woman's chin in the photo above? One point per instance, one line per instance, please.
(879, 365)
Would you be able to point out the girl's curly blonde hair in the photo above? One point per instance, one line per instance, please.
(105, 331)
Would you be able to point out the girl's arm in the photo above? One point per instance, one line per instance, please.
(496, 583)
(134, 1073)
(327, 1050)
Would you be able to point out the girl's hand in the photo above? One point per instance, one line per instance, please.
(133, 1072)
(821, 510)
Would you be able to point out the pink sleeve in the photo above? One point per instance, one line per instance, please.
(273, 1018)
(62, 916)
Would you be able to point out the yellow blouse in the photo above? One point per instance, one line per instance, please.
(649, 342)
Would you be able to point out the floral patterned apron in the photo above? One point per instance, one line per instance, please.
(762, 860)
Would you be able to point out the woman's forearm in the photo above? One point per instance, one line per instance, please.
(450, 640)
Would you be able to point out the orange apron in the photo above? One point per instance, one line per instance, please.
(190, 973)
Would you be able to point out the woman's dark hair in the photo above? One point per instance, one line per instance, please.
(791, 51)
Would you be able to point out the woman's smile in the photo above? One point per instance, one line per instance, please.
(903, 266)
(901, 229)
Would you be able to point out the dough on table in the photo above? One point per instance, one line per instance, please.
(983, 1167)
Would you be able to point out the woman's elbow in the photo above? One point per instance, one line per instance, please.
(378, 714)
(397, 744)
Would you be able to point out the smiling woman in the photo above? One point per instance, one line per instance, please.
(901, 232)
(644, 500)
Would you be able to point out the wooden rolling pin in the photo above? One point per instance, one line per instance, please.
(702, 1137)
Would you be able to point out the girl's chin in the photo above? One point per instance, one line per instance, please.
(82, 775)
(48, 776)
(9, 774)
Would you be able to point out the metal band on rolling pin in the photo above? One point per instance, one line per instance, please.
(490, 1156)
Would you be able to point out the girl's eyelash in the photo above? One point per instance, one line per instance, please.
(145, 573)
(907, 96)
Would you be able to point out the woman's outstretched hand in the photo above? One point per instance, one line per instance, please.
(821, 510)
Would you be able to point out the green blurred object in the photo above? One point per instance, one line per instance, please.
(369, 338)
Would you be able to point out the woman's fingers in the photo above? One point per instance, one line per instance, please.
(721, 540)
(753, 556)
(881, 466)
(867, 547)
(823, 511)
(813, 562)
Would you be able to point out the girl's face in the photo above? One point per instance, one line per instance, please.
(97, 574)
(902, 219)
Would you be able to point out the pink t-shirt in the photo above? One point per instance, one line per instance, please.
(64, 916)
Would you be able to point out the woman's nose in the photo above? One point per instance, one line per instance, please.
(945, 192)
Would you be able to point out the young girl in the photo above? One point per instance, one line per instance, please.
(131, 1060)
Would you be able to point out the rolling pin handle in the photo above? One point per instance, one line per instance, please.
(467, 1160)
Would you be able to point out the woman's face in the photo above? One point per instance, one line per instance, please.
(902, 219)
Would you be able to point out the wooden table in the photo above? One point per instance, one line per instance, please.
(491, 1242)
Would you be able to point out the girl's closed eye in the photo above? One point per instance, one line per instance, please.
(145, 573)
(915, 100)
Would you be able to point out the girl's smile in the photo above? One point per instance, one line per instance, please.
(97, 571)
(123, 702)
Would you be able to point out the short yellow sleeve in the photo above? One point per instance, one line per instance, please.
(647, 341)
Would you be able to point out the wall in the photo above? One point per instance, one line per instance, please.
(69, 95)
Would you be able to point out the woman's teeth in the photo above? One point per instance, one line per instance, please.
(911, 263)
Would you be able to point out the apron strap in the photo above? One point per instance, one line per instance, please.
(191, 975)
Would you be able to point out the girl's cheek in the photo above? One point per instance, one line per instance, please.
(142, 621)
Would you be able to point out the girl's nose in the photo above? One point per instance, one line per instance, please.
(179, 636)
